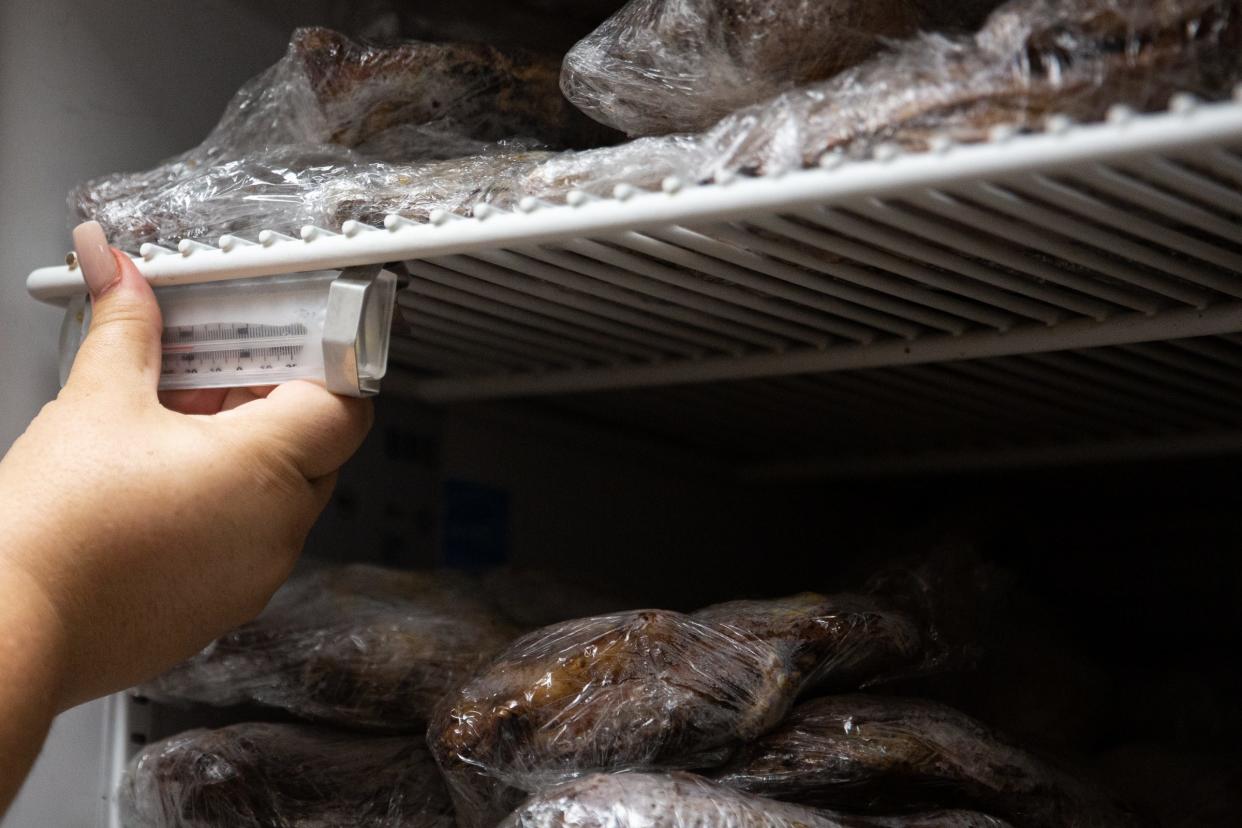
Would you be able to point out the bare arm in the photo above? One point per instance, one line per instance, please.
(30, 678)
(133, 530)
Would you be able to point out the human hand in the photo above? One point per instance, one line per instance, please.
(150, 528)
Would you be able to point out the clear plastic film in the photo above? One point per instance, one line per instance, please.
(265, 775)
(271, 162)
(503, 180)
(359, 645)
(332, 110)
(633, 690)
(1032, 59)
(683, 800)
(652, 689)
(829, 642)
(882, 754)
(662, 66)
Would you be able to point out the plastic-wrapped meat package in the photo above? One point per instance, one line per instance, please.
(371, 192)
(333, 108)
(653, 689)
(1032, 59)
(661, 66)
(683, 800)
(288, 187)
(269, 165)
(328, 89)
(877, 753)
(358, 645)
(829, 643)
(263, 189)
(502, 180)
(466, 89)
(259, 775)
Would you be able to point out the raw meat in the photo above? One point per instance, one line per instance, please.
(652, 689)
(660, 66)
(872, 753)
(293, 776)
(358, 645)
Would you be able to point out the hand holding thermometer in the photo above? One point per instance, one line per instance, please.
(324, 325)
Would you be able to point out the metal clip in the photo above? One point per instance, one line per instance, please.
(356, 330)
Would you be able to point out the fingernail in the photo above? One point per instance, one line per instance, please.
(99, 267)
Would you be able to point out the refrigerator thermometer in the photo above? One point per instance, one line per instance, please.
(326, 326)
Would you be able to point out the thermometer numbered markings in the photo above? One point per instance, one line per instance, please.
(230, 347)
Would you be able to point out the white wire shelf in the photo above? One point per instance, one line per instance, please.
(1084, 239)
(1117, 233)
(1173, 398)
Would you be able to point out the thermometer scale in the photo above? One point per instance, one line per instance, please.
(326, 326)
(235, 351)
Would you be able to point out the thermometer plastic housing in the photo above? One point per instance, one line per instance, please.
(323, 325)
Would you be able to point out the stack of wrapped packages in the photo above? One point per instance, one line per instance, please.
(416, 699)
(703, 90)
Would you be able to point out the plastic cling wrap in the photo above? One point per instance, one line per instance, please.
(660, 66)
(287, 187)
(332, 108)
(359, 645)
(292, 776)
(503, 180)
(877, 753)
(683, 800)
(270, 163)
(842, 641)
(651, 689)
(1032, 59)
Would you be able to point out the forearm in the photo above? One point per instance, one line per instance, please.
(111, 569)
(30, 674)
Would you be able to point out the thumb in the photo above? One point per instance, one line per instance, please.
(122, 347)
